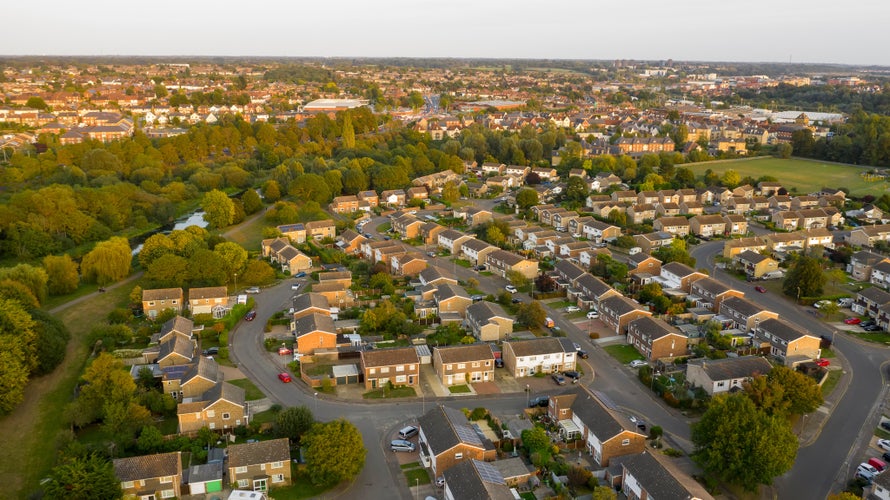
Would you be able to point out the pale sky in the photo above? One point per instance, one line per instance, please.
(851, 31)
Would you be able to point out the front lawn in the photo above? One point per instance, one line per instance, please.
(624, 353)
(251, 391)
(462, 262)
(302, 487)
(395, 392)
(417, 477)
(876, 337)
(265, 417)
(459, 389)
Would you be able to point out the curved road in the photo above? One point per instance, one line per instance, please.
(825, 465)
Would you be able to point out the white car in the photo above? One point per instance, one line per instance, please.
(253, 289)
(637, 363)
(884, 444)
(571, 309)
(511, 289)
(593, 315)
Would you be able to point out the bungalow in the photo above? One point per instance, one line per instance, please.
(500, 262)
(606, 435)
(158, 300)
(464, 364)
(315, 331)
(260, 465)
(474, 216)
(524, 358)
(221, 408)
(710, 293)
(744, 314)
(655, 339)
(617, 311)
(399, 366)
(786, 341)
(755, 264)
(209, 300)
(677, 226)
(488, 321)
(417, 193)
(150, 476)
(707, 226)
(447, 438)
(722, 375)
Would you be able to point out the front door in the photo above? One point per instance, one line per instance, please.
(259, 484)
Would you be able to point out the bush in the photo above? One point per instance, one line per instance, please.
(671, 400)
(223, 353)
(594, 335)
(672, 452)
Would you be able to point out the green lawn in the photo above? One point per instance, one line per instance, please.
(459, 389)
(876, 337)
(417, 476)
(623, 353)
(805, 175)
(396, 392)
(264, 417)
(412, 465)
(462, 262)
(249, 235)
(302, 487)
(834, 377)
(251, 392)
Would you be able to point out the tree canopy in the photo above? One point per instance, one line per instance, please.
(804, 278)
(334, 452)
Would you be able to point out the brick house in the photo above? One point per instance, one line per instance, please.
(710, 293)
(305, 304)
(221, 408)
(617, 311)
(500, 262)
(755, 264)
(744, 314)
(722, 375)
(260, 465)
(150, 476)
(644, 476)
(524, 358)
(862, 263)
(655, 339)
(434, 275)
(321, 229)
(400, 366)
(159, 300)
(408, 264)
(464, 364)
(447, 438)
(488, 321)
(786, 341)
(315, 331)
(677, 226)
(345, 204)
(209, 300)
(451, 298)
(707, 225)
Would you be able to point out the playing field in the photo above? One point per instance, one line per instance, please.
(805, 175)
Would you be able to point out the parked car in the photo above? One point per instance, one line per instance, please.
(548, 322)
(540, 401)
(571, 309)
(296, 286)
(515, 301)
(872, 328)
(250, 316)
(885, 425)
(477, 297)
(576, 345)
(284, 377)
(583, 354)
(431, 254)
(368, 235)
(511, 289)
(760, 289)
(408, 432)
(852, 321)
(877, 464)
(867, 469)
(284, 351)
(886, 456)
(212, 351)
(300, 274)
(821, 303)
(481, 267)
(253, 290)
(868, 322)
(402, 445)
(498, 362)
(637, 363)
(884, 444)
(575, 376)
(822, 362)
(593, 315)
(440, 481)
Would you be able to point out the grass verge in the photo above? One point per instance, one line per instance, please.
(396, 392)
(251, 391)
(302, 487)
(459, 389)
(417, 476)
(834, 376)
(623, 353)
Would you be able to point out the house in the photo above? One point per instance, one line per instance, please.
(880, 275)
(733, 247)
(524, 358)
(150, 476)
(205, 478)
(350, 242)
(787, 220)
(669, 209)
(408, 264)
(710, 293)
(177, 350)
(434, 275)
(447, 439)
(200, 378)
(655, 339)
(477, 480)
(818, 236)
(755, 264)
(451, 298)
(159, 300)
(641, 212)
(464, 364)
(707, 226)
(648, 197)
(488, 321)
(500, 262)
(722, 375)
(785, 242)
(393, 198)
(736, 224)
(617, 311)
(340, 277)
(475, 250)
(590, 291)
(643, 263)
(293, 261)
(345, 204)
(209, 300)
(744, 314)
(679, 276)
(221, 408)
(600, 232)
(881, 487)
(644, 476)
(786, 341)
(451, 240)
(399, 366)
(306, 304)
(370, 197)
(272, 246)
(568, 271)
(321, 229)
(738, 205)
(867, 236)
(315, 331)
(473, 216)
(780, 202)
(651, 241)
(862, 263)
(429, 232)
(628, 197)
(691, 208)
(606, 435)
(868, 301)
(407, 225)
(417, 193)
(677, 226)
(260, 465)
(177, 325)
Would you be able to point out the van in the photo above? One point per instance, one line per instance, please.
(401, 445)
(877, 464)
(634, 250)
(408, 432)
(549, 323)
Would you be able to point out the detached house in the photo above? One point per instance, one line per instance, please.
(524, 358)
(150, 476)
(722, 375)
(159, 300)
(210, 300)
(464, 364)
(447, 439)
(755, 264)
(707, 225)
(488, 321)
(315, 331)
(260, 465)
(221, 408)
(399, 366)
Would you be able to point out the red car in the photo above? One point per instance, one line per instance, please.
(823, 362)
(284, 377)
(760, 289)
(284, 350)
(852, 321)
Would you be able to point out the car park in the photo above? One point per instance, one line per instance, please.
(253, 290)
(760, 289)
(408, 432)
(575, 376)
(284, 377)
(511, 289)
(583, 354)
(539, 402)
(250, 316)
(402, 445)
(571, 309)
(593, 315)
(637, 363)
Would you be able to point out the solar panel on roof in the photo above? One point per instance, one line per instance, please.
(489, 474)
(467, 434)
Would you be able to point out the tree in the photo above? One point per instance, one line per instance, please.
(784, 150)
(168, 271)
(604, 493)
(618, 217)
(804, 278)
(450, 192)
(257, 272)
(251, 202)
(84, 478)
(108, 262)
(272, 191)
(17, 353)
(50, 342)
(494, 236)
(219, 210)
(675, 252)
(36, 103)
(154, 247)
(801, 393)
(233, 255)
(62, 275)
(531, 314)
(348, 134)
(293, 422)
(150, 440)
(34, 278)
(576, 189)
(334, 452)
(741, 444)
(526, 198)
(517, 279)
(545, 284)
(535, 439)
(207, 268)
(107, 384)
(730, 179)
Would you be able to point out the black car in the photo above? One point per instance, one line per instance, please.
(885, 425)
(250, 316)
(583, 354)
(210, 351)
(575, 376)
(498, 363)
(872, 328)
(516, 301)
(540, 401)
(559, 379)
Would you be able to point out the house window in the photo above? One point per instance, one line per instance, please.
(240, 470)
(384, 369)
(448, 367)
(625, 442)
(278, 478)
(277, 465)
(175, 301)
(458, 456)
(400, 379)
(166, 479)
(211, 413)
(400, 368)
(226, 416)
(168, 494)
(461, 366)
(242, 483)
(372, 371)
(721, 384)
(152, 303)
(127, 485)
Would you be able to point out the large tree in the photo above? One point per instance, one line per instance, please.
(62, 274)
(805, 278)
(219, 209)
(293, 422)
(17, 353)
(84, 478)
(526, 198)
(108, 262)
(784, 390)
(334, 452)
(531, 314)
(741, 444)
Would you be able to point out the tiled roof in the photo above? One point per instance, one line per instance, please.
(211, 292)
(536, 347)
(162, 294)
(732, 368)
(314, 322)
(261, 452)
(465, 353)
(148, 466)
(389, 357)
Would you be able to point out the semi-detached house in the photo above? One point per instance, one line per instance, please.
(524, 358)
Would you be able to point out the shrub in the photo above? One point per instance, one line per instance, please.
(672, 452)
(672, 401)
(478, 414)
(223, 353)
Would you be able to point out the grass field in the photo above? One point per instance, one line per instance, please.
(623, 353)
(804, 175)
(251, 391)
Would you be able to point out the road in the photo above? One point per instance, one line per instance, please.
(826, 464)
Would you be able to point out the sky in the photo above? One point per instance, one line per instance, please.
(815, 31)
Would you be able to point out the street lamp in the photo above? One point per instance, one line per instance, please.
(236, 282)
(803, 423)
(316, 404)
(527, 391)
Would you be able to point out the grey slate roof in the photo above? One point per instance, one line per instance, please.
(204, 368)
(178, 345)
(731, 368)
(595, 416)
(445, 428)
(536, 347)
(465, 353)
(620, 304)
(148, 466)
(446, 291)
(314, 322)
(654, 478)
(678, 268)
(309, 300)
(432, 273)
(205, 472)
(261, 452)
(875, 295)
(752, 257)
(484, 311)
(476, 480)
(782, 329)
(743, 306)
(224, 390)
(653, 327)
